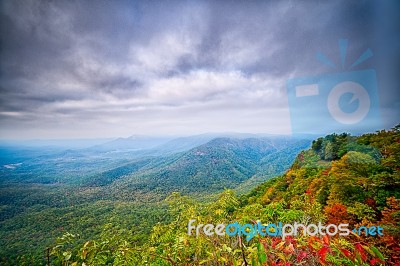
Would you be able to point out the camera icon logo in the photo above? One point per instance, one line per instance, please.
(358, 92)
(338, 102)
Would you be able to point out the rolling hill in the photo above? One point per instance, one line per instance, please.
(46, 191)
(211, 167)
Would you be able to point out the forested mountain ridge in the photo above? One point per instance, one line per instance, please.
(340, 179)
(46, 193)
(211, 167)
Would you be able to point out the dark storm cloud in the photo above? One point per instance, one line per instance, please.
(182, 65)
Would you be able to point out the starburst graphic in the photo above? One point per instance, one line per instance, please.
(343, 44)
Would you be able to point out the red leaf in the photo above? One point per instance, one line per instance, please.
(288, 239)
(346, 253)
(375, 261)
(322, 254)
(360, 249)
(301, 256)
(275, 242)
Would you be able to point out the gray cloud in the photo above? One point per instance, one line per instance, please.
(84, 68)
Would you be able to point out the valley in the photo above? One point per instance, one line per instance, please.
(52, 189)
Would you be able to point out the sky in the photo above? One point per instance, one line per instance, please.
(99, 69)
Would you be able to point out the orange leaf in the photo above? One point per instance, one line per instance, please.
(326, 239)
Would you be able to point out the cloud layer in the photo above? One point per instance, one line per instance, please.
(101, 69)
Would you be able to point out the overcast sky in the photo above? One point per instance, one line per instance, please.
(85, 69)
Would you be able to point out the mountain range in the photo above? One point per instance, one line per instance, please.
(204, 163)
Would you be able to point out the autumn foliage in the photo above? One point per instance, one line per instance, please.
(341, 179)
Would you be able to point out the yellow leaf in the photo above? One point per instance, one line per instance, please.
(281, 256)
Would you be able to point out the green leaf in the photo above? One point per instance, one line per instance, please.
(234, 263)
(262, 258)
(378, 253)
(67, 255)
